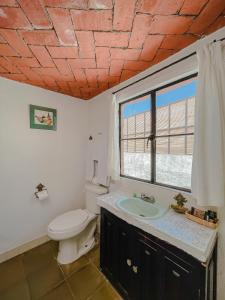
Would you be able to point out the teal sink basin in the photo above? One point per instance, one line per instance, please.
(140, 208)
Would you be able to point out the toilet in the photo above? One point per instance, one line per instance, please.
(75, 229)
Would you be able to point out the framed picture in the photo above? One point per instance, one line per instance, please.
(43, 117)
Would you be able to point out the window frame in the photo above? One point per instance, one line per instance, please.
(152, 137)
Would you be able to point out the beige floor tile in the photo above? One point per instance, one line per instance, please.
(11, 272)
(96, 262)
(38, 258)
(62, 292)
(55, 247)
(75, 266)
(84, 282)
(105, 292)
(94, 256)
(44, 280)
(18, 291)
(95, 252)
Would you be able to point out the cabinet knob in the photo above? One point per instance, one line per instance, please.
(129, 262)
(176, 274)
(135, 269)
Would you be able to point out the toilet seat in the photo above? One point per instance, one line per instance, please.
(69, 224)
(69, 220)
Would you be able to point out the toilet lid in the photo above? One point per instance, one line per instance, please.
(69, 220)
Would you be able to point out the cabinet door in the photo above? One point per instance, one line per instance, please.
(149, 270)
(109, 247)
(139, 270)
(178, 281)
(126, 261)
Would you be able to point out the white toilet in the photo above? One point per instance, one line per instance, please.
(75, 229)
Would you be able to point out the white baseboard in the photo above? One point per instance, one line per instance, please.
(23, 248)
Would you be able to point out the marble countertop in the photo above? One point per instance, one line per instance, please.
(176, 229)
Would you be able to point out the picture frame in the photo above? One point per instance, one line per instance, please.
(43, 117)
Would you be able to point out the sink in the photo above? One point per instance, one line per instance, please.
(140, 208)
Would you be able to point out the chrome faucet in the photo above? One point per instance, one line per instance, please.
(150, 199)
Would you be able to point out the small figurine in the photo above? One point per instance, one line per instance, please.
(179, 207)
(40, 187)
(180, 199)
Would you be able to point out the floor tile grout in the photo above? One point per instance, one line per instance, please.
(70, 289)
(31, 275)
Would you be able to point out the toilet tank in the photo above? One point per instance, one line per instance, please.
(91, 193)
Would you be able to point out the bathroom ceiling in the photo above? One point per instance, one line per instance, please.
(83, 47)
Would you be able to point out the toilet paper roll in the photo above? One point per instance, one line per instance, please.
(42, 195)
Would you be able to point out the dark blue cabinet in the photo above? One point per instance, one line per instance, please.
(143, 267)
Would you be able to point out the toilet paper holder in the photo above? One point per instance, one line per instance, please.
(40, 187)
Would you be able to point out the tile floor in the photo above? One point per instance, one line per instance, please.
(36, 275)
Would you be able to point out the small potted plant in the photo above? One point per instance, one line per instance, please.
(179, 207)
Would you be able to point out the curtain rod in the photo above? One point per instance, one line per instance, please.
(161, 69)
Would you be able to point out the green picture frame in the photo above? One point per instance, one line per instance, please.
(43, 117)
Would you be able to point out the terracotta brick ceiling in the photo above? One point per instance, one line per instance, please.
(83, 47)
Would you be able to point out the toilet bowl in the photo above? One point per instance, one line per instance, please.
(75, 229)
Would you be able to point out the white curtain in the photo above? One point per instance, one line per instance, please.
(208, 172)
(114, 156)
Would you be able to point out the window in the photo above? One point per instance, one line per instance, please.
(157, 133)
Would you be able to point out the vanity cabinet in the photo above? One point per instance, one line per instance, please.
(143, 267)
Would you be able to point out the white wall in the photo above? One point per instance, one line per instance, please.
(99, 110)
(30, 156)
